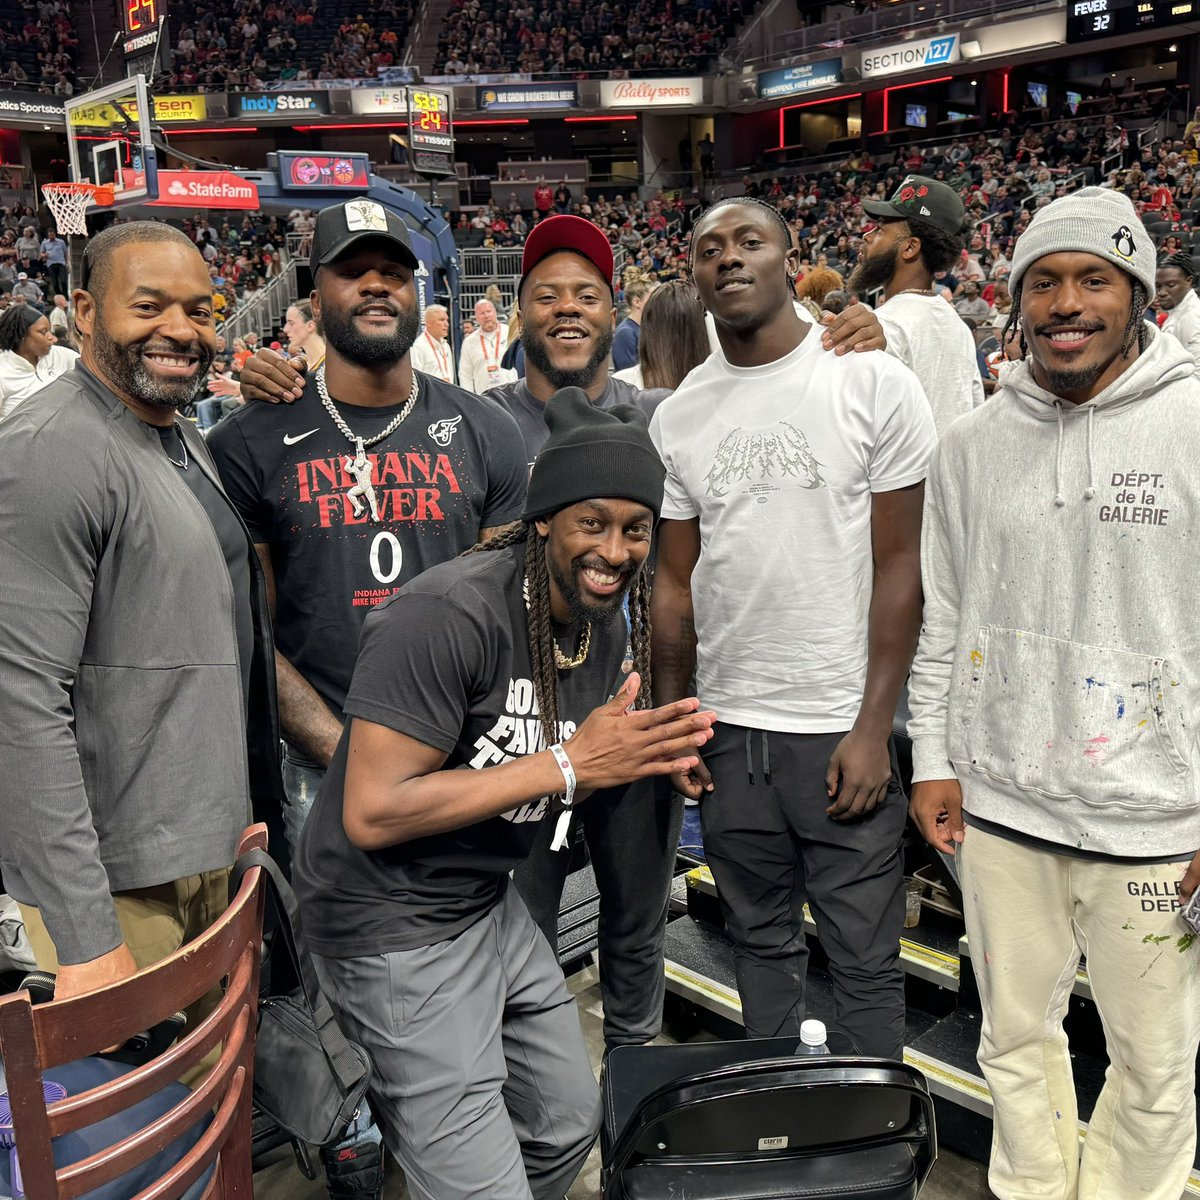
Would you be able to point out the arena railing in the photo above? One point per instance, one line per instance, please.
(264, 311)
(759, 46)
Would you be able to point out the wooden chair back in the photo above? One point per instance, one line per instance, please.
(37, 1039)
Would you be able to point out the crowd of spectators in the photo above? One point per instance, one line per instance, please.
(573, 38)
(1004, 176)
(37, 47)
(248, 44)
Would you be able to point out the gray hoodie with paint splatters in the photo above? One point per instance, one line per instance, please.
(1058, 672)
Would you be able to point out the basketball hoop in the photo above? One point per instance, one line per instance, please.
(69, 204)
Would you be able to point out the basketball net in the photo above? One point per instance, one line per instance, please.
(69, 203)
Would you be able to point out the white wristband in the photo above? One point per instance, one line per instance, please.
(562, 826)
(568, 772)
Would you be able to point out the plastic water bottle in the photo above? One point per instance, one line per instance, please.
(812, 1038)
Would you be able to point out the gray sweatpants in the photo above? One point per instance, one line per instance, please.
(480, 1078)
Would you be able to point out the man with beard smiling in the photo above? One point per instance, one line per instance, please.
(917, 235)
(1054, 697)
(482, 709)
(376, 473)
(137, 713)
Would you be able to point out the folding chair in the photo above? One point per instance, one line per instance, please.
(742, 1120)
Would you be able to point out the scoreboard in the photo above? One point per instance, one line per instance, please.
(430, 135)
(141, 24)
(1088, 19)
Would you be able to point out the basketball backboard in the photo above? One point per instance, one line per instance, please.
(108, 133)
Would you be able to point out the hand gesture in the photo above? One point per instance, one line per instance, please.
(936, 810)
(268, 376)
(617, 744)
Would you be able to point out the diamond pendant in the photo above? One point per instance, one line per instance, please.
(359, 467)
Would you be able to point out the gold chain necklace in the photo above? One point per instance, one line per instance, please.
(563, 663)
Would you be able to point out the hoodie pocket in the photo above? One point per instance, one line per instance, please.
(1077, 722)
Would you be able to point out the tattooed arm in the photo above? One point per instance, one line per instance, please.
(673, 636)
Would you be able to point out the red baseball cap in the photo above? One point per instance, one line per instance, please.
(565, 232)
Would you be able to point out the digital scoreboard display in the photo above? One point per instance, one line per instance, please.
(141, 25)
(430, 136)
(1088, 19)
(300, 171)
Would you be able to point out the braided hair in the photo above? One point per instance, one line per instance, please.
(15, 323)
(748, 201)
(1134, 328)
(541, 632)
(1181, 262)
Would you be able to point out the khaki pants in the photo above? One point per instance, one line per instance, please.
(156, 921)
(1029, 915)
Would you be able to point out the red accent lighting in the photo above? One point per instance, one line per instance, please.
(582, 120)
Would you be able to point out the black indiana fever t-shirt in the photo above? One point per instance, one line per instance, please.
(455, 465)
(447, 663)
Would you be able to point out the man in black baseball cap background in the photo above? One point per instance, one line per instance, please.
(916, 235)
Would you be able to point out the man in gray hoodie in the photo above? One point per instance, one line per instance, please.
(1054, 698)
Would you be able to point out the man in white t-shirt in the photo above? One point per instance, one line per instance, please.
(431, 351)
(919, 234)
(789, 578)
(479, 364)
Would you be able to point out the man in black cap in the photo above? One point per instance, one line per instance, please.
(376, 473)
(917, 235)
(481, 708)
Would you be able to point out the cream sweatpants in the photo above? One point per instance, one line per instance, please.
(1029, 916)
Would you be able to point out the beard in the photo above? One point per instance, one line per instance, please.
(126, 372)
(1065, 382)
(606, 613)
(370, 349)
(537, 350)
(874, 272)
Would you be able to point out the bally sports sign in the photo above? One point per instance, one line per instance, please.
(651, 93)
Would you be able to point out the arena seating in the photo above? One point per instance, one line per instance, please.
(235, 43)
(570, 38)
(37, 47)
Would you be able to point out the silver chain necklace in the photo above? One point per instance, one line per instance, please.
(362, 493)
(917, 292)
(183, 446)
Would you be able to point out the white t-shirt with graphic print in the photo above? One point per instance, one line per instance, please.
(779, 463)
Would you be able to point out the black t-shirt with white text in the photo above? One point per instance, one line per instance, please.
(455, 465)
(445, 662)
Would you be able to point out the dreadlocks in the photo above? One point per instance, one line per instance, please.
(541, 633)
(1181, 262)
(748, 201)
(1134, 327)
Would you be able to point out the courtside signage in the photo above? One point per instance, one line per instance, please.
(911, 56)
(506, 97)
(791, 81)
(379, 100)
(281, 104)
(651, 93)
(209, 189)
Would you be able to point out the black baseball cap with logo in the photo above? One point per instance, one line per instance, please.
(921, 199)
(341, 225)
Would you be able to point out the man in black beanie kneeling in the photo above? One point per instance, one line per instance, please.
(482, 704)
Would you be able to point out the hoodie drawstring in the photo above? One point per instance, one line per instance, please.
(1089, 493)
(1059, 498)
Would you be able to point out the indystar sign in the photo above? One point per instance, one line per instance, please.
(911, 56)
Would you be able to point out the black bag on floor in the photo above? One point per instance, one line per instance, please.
(308, 1077)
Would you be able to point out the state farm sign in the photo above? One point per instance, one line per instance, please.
(651, 93)
(205, 189)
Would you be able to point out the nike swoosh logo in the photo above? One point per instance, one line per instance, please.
(290, 439)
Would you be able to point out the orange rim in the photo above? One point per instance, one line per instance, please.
(102, 194)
